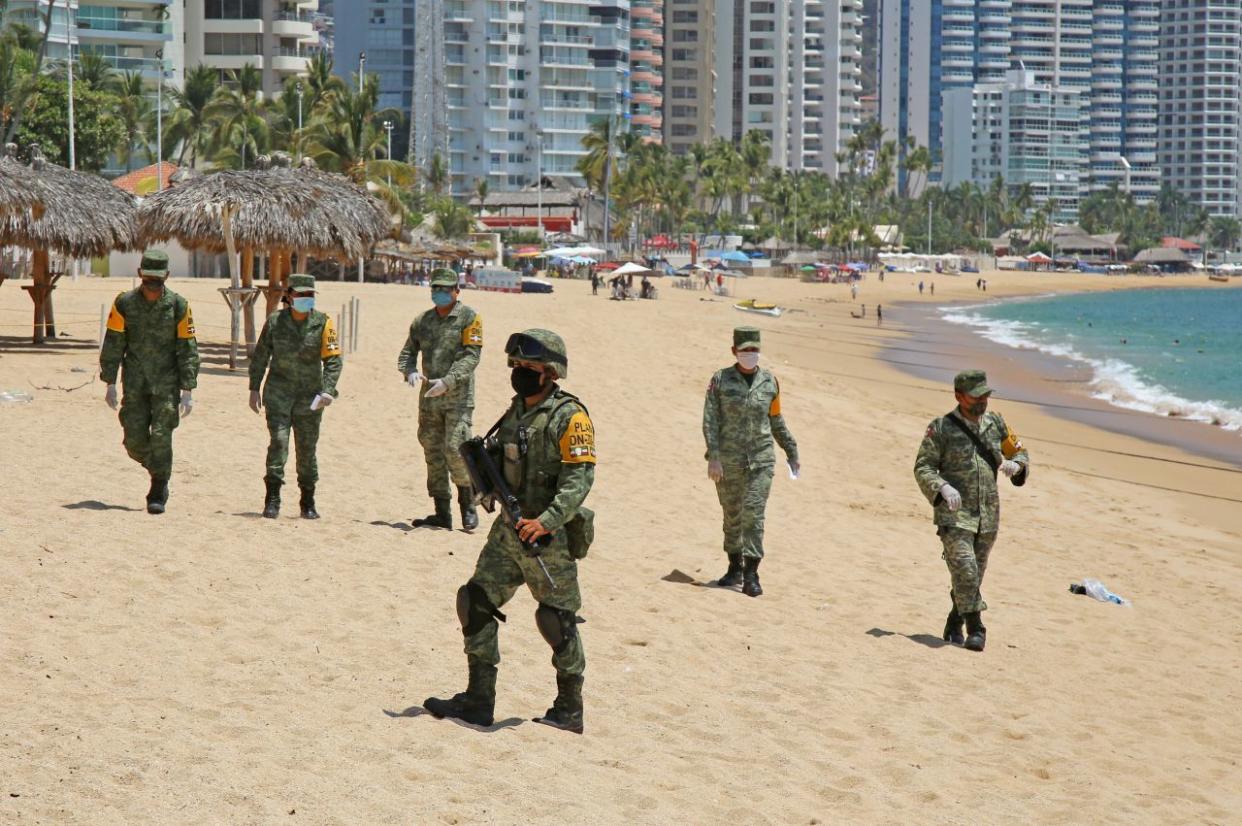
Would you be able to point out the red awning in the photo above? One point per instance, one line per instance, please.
(1179, 244)
(551, 223)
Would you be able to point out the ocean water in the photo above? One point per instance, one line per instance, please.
(1173, 352)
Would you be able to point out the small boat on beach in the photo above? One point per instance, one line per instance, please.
(1218, 276)
(752, 305)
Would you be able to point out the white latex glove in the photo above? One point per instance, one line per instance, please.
(321, 401)
(110, 396)
(256, 401)
(715, 471)
(186, 407)
(1010, 468)
(414, 378)
(952, 498)
(795, 469)
(437, 388)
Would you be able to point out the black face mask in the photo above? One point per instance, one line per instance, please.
(153, 285)
(526, 382)
(978, 408)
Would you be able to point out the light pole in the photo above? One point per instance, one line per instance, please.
(159, 123)
(362, 69)
(299, 88)
(388, 129)
(73, 161)
(929, 227)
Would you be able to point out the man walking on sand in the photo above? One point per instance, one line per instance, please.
(741, 416)
(956, 469)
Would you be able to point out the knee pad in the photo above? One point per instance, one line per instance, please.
(557, 626)
(474, 609)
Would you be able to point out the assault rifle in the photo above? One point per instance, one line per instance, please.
(490, 488)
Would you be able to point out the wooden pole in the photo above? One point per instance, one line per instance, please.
(226, 220)
(247, 281)
(39, 278)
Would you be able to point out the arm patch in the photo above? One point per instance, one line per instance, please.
(578, 440)
(116, 321)
(774, 409)
(185, 327)
(331, 344)
(472, 333)
(1012, 445)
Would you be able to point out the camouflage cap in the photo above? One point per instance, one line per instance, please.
(301, 283)
(443, 277)
(745, 337)
(154, 264)
(541, 347)
(972, 383)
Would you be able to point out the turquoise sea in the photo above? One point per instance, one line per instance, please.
(1166, 351)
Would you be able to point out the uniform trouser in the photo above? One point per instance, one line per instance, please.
(149, 418)
(966, 554)
(502, 567)
(743, 494)
(292, 413)
(441, 432)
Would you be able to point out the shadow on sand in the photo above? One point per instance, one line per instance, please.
(96, 505)
(929, 640)
(419, 711)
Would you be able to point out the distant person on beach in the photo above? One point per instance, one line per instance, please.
(854, 291)
(933, 288)
(956, 469)
(299, 355)
(920, 288)
(879, 314)
(449, 336)
(545, 447)
(151, 342)
(741, 416)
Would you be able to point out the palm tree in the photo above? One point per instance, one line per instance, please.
(188, 123)
(452, 220)
(481, 190)
(236, 112)
(1224, 233)
(94, 71)
(134, 110)
(601, 152)
(348, 137)
(918, 161)
(437, 174)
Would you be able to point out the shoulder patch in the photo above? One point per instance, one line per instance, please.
(185, 327)
(472, 333)
(578, 441)
(116, 321)
(330, 345)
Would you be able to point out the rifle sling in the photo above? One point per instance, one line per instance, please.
(980, 447)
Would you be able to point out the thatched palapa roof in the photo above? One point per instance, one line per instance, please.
(83, 215)
(281, 208)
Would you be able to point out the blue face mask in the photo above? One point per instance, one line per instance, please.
(442, 298)
(304, 304)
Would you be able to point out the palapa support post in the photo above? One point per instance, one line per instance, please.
(247, 282)
(40, 292)
(226, 226)
(238, 299)
(277, 279)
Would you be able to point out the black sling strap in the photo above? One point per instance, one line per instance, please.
(980, 447)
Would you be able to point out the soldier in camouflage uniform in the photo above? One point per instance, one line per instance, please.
(450, 338)
(959, 478)
(741, 415)
(546, 446)
(301, 355)
(151, 335)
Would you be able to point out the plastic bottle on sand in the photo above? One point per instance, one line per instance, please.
(1096, 590)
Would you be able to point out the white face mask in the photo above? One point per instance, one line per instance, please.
(748, 359)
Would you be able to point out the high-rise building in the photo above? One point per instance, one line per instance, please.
(278, 37)
(1201, 101)
(1106, 48)
(689, 73)
(385, 32)
(131, 36)
(647, 69)
(791, 71)
(1029, 133)
(524, 82)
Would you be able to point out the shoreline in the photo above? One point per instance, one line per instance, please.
(1059, 385)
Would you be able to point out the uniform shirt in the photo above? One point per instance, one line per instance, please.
(548, 456)
(450, 346)
(305, 356)
(947, 455)
(740, 419)
(153, 340)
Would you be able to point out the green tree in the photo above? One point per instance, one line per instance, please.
(134, 110)
(97, 130)
(452, 220)
(481, 191)
(437, 175)
(188, 125)
(1224, 232)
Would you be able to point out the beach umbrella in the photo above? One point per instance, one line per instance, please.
(80, 215)
(734, 255)
(808, 268)
(631, 268)
(277, 210)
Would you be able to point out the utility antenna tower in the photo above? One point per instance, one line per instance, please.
(428, 103)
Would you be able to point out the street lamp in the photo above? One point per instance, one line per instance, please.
(362, 69)
(299, 88)
(388, 129)
(159, 123)
(539, 180)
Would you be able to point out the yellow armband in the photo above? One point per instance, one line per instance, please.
(472, 333)
(578, 441)
(331, 345)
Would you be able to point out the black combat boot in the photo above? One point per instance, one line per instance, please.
(976, 634)
(566, 711)
(442, 518)
(157, 496)
(465, 501)
(307, 503)
(750, 577)
(477, 704)
(732, 577)
(271, 504)
(953, 627)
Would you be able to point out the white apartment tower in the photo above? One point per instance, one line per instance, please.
(524, 80)
(276, 36)
(1201, 102)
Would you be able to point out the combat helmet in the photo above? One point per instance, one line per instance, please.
(541, 347)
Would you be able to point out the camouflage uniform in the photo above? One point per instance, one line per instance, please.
(740, 420)
(948, 456)
(450, 346)
(305, 360)
(154, 343)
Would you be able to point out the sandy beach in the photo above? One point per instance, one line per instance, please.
(209, 666)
